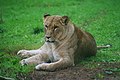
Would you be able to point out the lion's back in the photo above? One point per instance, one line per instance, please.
(86, 45)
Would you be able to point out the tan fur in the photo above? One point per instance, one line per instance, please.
(65, 45)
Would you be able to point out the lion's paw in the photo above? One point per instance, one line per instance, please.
(37, 67)
(23, 53)
(42, 66)
(23, 62)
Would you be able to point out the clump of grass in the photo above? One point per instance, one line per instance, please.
(10, 67)
(37, 30)
(2, 30)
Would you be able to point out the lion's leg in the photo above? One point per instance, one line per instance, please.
(62, 63)
(36, 59)
(29, 53)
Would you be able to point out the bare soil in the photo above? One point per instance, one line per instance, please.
(105, 71)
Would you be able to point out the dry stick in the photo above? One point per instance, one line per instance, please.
(5, 78)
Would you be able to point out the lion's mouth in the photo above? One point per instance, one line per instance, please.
(50, 41)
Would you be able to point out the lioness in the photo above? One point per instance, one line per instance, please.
(64, 46)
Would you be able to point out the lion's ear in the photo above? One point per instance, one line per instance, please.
(65, 19)
(46, 15)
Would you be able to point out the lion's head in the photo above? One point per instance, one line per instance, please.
(55, 27)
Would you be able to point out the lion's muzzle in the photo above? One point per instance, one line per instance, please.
(49, 39)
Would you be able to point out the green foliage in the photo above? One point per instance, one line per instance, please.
(21, 27)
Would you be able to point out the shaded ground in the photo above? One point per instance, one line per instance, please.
(104, 71)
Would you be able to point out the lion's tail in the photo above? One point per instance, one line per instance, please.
(103, 47)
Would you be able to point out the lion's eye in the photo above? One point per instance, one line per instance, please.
(46, 26)
(55, 28)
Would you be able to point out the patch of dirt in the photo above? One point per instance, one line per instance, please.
(105, 71)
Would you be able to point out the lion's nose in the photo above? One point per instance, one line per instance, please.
(47, 37)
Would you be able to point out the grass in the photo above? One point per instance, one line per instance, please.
(21, 19)
(9, 66)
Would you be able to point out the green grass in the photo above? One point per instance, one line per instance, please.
(9, 66)
(19, 19)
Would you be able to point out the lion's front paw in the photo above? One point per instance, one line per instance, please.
(23, 53)
(43, 66)
(37, 67)
(23, 62)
